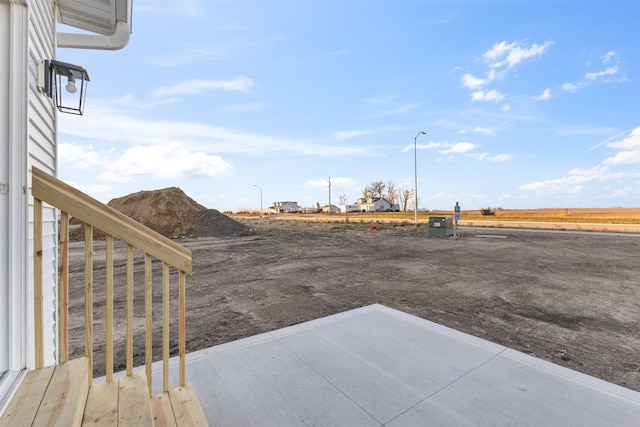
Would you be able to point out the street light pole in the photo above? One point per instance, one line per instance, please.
(329, 195)
(260, 201)
(415, 173)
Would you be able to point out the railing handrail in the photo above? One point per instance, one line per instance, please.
(87, 209)
(72, 202)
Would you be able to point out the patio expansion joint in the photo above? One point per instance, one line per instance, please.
(498, 354)
(327, 380)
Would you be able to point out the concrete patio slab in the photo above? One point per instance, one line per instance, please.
(377, 366)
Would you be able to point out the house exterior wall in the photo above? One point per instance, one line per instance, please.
(349, 208)
(42, 153)
(29, 140)
(374, 205)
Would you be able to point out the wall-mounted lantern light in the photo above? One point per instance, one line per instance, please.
(58, 75)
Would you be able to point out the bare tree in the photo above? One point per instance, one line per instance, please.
(367, 192)
(392, 193)
(343, 200)
(378, 188)
(405, 195)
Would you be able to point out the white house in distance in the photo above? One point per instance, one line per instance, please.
(330, 209)
(285, 207)
(375, 204)
(28, 138)
(349, 208)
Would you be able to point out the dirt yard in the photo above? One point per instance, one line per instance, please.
(571, 299)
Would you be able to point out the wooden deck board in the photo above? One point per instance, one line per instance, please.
(64, 401)
(102, 405)
(186, 408)
(60, 396)
(23, 407)
(133, 401)
(162, 411)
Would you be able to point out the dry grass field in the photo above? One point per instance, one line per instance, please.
(574, 215)
(625, 220)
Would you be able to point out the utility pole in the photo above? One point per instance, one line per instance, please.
(329, 195)
(415, 173)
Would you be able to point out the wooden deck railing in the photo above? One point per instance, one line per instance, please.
(72, 202)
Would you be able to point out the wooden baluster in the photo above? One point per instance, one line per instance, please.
(63, 329)
(88, 297)
(181, 322)
(165, 327)
(109, 307)
(148, 304)
(129, 309)
(38, 326)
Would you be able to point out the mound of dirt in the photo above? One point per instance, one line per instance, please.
(212, 223)
(173, 214)
(169, 211)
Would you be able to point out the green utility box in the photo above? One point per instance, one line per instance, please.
(440, 226)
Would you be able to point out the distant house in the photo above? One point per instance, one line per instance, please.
(349, 208)
(285, 207)
(376, 204)
(334, 209)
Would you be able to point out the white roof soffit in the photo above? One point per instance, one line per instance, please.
(110, 20)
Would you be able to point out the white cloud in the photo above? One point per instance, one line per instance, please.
(428, 146)
(171, 160)
(348, 134)
(497, 158)
(607, 57)
(579, 181)
(83, 157)
(507, 55)
(113, 127)
(576, 182)
(472, 82)
(597, 76)
(487, 95)
(500, 59)
(608, 72)
(630, 149)
(458, 147)
(572, 87)
(544, 96)
(443, 147)
(164, 161)
(480, 130)
(194, 87)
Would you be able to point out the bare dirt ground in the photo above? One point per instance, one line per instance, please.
(571, 299)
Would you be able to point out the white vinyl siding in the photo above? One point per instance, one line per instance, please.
(42, 154)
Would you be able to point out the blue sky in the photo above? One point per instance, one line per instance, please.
(526, 104)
